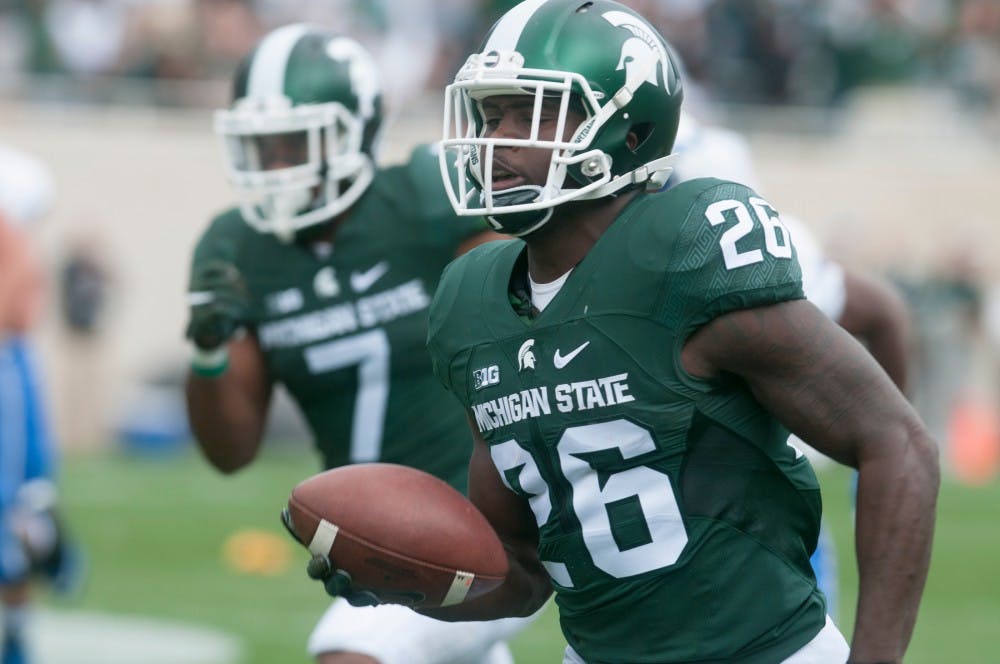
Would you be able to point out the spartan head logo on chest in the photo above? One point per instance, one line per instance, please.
(526, 356)
(325, 283)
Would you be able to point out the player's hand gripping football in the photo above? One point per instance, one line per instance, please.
(219, 304)
(336, 582)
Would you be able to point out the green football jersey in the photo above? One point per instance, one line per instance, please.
(675, 521)
(345, 332)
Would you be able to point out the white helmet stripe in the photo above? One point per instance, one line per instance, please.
(267, 71)
(504, 37)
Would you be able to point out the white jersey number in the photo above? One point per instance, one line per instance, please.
(648, 489)
(369, 351)
(777, 240)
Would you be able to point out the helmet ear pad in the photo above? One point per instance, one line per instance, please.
(616, 139)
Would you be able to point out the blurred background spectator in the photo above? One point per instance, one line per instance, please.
(974, 64)
(83, 283)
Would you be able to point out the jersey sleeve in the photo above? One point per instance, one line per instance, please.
(731, 252)
(219, 241)
(437, 219)
(440, 338)
(458, 311)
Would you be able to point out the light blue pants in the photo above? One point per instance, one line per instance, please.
(26, 449)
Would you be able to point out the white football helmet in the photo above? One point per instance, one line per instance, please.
(300, 135)
(600, 57)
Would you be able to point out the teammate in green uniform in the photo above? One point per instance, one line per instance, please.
(632, 366)
(320, 280)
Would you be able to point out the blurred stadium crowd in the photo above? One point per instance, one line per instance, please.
(809, 52)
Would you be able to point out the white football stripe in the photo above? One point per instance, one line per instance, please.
(323, 538)
(459, 588)
(267, 71)
(508, 30)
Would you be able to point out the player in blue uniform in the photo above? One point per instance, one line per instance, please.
(33, 544)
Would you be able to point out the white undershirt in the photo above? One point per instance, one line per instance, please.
(542, 294)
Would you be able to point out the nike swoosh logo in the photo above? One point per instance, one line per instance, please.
(362, 281)
(562, 360)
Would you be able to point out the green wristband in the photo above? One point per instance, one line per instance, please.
(210, 363)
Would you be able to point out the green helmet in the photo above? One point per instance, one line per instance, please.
(300, 134)
(597, 56)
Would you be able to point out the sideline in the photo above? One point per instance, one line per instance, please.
(81, 637)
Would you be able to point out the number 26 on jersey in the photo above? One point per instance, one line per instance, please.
(777, 239)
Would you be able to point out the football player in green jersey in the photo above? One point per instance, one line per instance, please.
(320, 281)
(632, 365)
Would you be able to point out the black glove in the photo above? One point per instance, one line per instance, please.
(219, 304)
(336, 582)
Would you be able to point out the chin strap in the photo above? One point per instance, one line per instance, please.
(655, 174)
(518, 223)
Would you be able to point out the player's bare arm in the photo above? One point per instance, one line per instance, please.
(228, 412)
(876, 312)
(10, 268)
(820, 382)
(21, 281)
(527, 585)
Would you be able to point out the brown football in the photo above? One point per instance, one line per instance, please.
(400, 532)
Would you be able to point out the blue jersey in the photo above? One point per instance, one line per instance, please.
(26, 449)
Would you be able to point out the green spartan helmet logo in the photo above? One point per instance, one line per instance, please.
(640, 53)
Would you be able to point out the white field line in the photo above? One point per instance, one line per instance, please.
(58, 637)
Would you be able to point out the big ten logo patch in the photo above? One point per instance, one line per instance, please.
(485, 377)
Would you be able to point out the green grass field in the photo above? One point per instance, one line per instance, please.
(154, 529)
